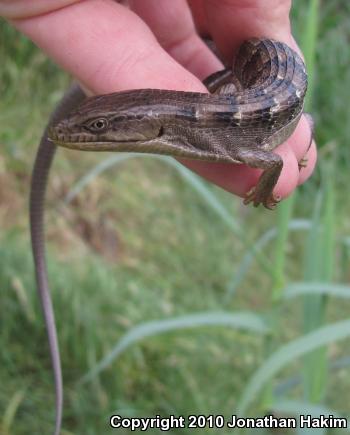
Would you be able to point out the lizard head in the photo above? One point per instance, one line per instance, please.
(105, 123)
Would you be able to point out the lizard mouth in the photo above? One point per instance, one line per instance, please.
(66, 138)
(86, 142)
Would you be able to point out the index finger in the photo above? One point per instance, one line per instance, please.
(106, 47)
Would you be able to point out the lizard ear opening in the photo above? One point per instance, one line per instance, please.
(161, 131)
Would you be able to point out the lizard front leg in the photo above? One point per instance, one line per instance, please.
(223, 82)
(221, 147)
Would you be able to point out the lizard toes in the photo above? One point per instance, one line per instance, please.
(303, 163)
(250, 197)
(272, 201)
(269, 202)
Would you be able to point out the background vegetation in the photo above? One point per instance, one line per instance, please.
(170, 296)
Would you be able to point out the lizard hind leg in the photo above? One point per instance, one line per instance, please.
(272, 165)
(222, 82)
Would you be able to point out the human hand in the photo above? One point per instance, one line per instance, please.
(109, 47)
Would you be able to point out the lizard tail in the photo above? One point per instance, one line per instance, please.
(43, 161)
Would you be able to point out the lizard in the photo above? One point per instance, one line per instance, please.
(250, 109)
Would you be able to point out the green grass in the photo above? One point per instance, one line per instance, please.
(146, 256)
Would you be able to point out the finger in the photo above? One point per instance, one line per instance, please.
(182, 42)
(300, 140)
(19, 9)
(239, 179)
(291, 175)
(311, 159)
(293, 151)
(234, 178)
(199, 17)
(232, 21)
(107, 47)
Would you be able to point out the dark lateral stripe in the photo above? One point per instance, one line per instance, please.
(224, 117)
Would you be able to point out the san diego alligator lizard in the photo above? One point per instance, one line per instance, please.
(251, 110)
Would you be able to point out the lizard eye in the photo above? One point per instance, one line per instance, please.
(98, 125)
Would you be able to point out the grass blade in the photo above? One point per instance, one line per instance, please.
(243, 268)
(316, 288)
(288, 353)
(308, 45)
(244, 320)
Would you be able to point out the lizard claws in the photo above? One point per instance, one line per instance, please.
(253, 196)
(303, 163)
